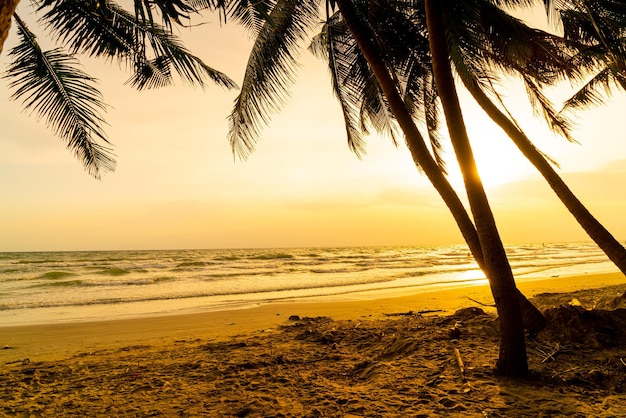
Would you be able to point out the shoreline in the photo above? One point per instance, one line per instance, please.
(63, 340)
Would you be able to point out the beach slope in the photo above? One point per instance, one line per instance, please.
(428, 354)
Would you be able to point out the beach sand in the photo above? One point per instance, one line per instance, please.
(388, 356)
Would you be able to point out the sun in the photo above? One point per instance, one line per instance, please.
(497, 158)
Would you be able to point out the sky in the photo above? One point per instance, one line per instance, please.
(177, 184)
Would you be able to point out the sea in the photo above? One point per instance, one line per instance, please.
(57, 287)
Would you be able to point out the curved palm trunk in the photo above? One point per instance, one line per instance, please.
(534, 320)
(596, 231)
(7, 8)
(415, 142)
(512, 358)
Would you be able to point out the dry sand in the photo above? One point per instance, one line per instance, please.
(374, 357)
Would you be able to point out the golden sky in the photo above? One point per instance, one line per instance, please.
(177, 184)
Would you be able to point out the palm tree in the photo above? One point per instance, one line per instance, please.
(362, 101)
(540, 59)
(271, 53)
(51, 84)
(594, 229)
(474, 31)
(512, 358)
(269, 73)
(242, 116)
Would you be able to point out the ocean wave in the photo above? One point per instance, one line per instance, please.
(163, 279)
(228, 258)
(246, 273)
(64, 283)
(156, 298)
(188, 264)
(251, 275)
(411, 274)
(351, 269)
(276, 256)
(47, 261)
(102, 284)
(54, 275)
(312, 255)
(277, 292)
(114, 271)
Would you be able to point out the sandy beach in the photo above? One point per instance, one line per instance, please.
(427, 354)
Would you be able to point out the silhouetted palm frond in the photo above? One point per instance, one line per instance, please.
(270, 71)
(107, 30)
(50, 84)
(252, 14)
(332, 44)
(598, 30)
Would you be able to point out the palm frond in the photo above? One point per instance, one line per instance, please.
(432, 117)
(149, 74)
(50, 84)
(375, 110)
(542, 105)
(170, 10)
(524, 49)
(404, 47)
(270, 71)
(355, 85)
(594, 92)
(598, 29)
(481, 54)
(330, 44)
(107, 30)
(252, 14)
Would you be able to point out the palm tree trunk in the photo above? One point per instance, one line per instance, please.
(534, 320)
(596, 231)
(512, 358)
(7, 8)
(415, 142)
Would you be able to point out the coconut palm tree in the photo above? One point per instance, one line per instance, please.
(352, 123)
(512, 358)
(260, 90)
(362, 102)
(51, 84)
(266, 81)
(540, 59)
(474, 31)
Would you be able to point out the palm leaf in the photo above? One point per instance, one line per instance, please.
(592, 91)
(330, 45)
(270, 71)
(481, 54)
(432, 118)
(106, 29)
(170, 10)
(355, 86)
(597, 29)
(51, 86)
(542, 105)
(252, 14)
